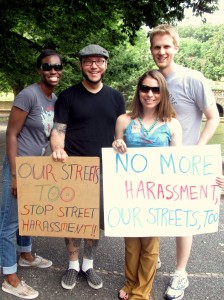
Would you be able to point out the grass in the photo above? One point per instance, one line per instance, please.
(6, 96)
(4, 120)
(218, 137)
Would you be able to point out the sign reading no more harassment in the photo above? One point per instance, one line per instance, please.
(164, 191)
(58, 199)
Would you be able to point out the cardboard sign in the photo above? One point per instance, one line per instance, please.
(164, 191)
(58, 199)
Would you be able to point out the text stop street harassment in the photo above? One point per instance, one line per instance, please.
(59, 191)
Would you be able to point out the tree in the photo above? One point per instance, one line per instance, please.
(201, 48)
(128, 64)
(214, 55)
(28, 26)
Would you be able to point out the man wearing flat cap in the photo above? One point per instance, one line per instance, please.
(85, 117)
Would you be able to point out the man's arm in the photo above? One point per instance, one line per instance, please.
(212, 121)
(57, 141)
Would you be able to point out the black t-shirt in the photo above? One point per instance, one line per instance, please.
(90, 118)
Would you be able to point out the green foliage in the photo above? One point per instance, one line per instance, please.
(214, 55)
(128, 63)
(200, 33)
(28, 26)
(202, 49)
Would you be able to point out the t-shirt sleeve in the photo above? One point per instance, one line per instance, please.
(25, 100)
(121, 104)
(61, 114)
(203, 92)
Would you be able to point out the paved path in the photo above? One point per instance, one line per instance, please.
(2, 127)
(205, 268)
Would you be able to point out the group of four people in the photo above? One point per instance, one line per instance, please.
(167, 111)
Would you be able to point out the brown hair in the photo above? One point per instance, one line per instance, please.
(164, 109)
(165, 29)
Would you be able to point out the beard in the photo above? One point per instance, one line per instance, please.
(93, 81)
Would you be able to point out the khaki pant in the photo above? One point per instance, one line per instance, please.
(141, 256)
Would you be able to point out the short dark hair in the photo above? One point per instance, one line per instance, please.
(45, 53)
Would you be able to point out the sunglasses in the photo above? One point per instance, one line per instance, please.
(146, 89)
(49, 67)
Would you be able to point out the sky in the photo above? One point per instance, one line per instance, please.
(216, 18)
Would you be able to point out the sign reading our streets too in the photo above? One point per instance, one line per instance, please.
(58, 199)
(164, 191)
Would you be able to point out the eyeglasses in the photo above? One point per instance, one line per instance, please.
(49, 67)
(88, 62)
(146, 89)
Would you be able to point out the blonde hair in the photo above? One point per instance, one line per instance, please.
(164, 109)
(165, 29)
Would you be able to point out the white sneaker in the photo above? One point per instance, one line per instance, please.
(178, 283)
(38, 262)
(158, 264)
(23, 290)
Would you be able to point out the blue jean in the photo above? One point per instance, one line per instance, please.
(9, 226)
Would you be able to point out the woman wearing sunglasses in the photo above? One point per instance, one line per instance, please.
(28, 131)
(150, 123)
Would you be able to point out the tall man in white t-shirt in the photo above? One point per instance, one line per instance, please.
(192, 98)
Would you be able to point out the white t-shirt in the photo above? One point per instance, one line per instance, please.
(190, 94)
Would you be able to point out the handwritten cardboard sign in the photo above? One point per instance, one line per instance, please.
(58, 199)
(164, 191)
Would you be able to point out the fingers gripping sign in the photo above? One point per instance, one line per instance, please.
(120, 146)
(59, 155)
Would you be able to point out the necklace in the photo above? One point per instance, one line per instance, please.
(146, 131)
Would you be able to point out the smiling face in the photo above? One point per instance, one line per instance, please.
(163, 51)
(50, 78)
(149, 94)
(93, 68)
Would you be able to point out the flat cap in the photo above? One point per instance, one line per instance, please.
(93, 50)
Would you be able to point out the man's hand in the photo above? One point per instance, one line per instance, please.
(59, 155)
